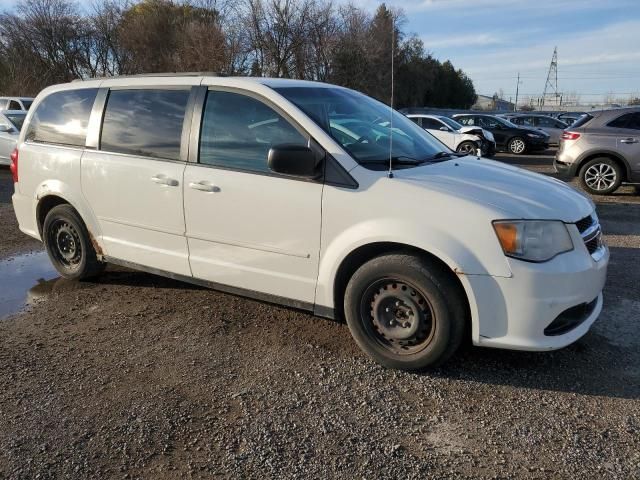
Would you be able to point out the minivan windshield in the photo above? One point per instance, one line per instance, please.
(362, 126)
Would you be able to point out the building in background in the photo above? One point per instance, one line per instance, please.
(494, 103)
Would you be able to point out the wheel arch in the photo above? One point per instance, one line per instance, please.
(363, 253)
(619, 159)
(53, 193)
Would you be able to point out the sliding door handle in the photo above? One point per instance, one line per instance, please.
(204, 186)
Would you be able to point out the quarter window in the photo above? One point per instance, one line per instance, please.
(144, 122)
(62, 117)
(238, 131)
(13, 105)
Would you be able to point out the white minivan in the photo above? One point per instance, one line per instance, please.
(296, 193)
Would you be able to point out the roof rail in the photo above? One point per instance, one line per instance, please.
(162, 74)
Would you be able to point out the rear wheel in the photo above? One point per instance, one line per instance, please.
(467, 147)
(601, 176)
(68, 244)
(517, 146)
(405, 312)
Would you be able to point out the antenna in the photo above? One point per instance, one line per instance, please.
(393, 39)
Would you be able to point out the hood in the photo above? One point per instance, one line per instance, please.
(517, 193)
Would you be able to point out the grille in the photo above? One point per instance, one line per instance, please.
(585, 223)
(591, 233)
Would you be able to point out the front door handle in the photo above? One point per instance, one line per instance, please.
(629, 140)
(161, 179)
(204, 186)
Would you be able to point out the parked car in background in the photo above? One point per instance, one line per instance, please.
(547, 124)
(15, 103)
(570, 117)
(456, 136)
(509, 137)
(10, 125)
(603, 149)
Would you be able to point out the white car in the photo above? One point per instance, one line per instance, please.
(15, 103)
(251, 186)
(10, 125)
(459, 138)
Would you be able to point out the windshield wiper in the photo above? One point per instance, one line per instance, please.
(442, 156)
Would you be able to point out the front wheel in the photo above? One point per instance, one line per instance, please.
(467, 147)
(68, 244)
(405, 312)
(517, 146)
(601, 176)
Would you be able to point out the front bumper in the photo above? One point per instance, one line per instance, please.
(514, 312)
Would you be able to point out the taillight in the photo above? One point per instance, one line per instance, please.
(570, 136)
(14, 165)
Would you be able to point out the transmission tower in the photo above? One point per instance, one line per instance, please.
(551, 87)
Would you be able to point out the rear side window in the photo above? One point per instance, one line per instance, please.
(62, 118)
(238, 131)
(144, 122)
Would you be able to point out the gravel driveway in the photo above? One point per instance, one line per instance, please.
(137, 376)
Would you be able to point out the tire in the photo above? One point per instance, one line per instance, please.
(68, 244)
(428, 310)
(600, 176)
(467, 147)
(517, 146)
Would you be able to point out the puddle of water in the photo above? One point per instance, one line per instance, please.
(23, 279)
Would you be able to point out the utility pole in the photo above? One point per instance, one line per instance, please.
(551, 86)
(515, 105)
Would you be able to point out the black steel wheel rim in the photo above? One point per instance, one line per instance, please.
(397, 316)
(65, 244)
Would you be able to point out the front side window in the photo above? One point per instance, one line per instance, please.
(369, 130)
(238, 131)
(62, 118)
(16, 120)
(431, 124)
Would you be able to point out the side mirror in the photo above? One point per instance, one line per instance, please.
(293, 160)
(444, 129)
(5, 128)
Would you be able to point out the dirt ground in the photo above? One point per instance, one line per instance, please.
(137, 376)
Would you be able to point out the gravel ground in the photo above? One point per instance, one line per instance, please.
(136, 376)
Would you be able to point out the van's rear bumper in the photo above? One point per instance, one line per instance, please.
(24, 209)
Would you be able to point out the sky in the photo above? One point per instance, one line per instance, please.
(492, 40)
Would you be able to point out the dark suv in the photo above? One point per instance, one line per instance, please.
(509, 137)
(603, 149)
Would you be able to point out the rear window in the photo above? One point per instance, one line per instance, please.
(144, 122)
(62, 118)
(581, 121)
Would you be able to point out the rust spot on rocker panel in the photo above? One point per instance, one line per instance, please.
(96, 246)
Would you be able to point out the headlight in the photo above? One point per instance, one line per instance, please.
(533, 240)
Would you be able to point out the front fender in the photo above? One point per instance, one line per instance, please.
(446, 246)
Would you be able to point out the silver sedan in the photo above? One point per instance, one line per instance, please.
(10, 125)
